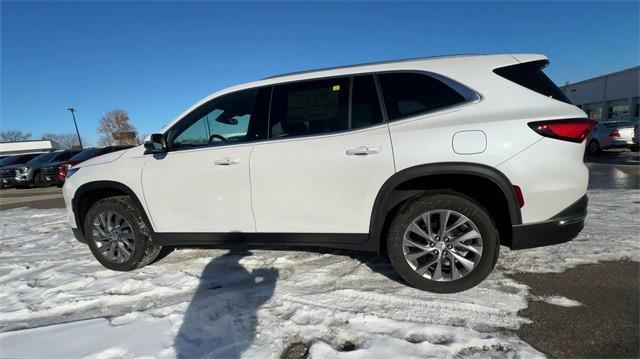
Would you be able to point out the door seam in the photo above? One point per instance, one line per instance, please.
(253, 213)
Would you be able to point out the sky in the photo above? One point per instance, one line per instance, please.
(155, 59)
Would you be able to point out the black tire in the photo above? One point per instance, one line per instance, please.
(443, 201)
(594, 147)
(145, 250)
(40, 181)
(635, 148)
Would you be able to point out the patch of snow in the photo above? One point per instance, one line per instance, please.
(221, 303)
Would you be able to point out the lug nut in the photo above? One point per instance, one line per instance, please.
(449, 246)
(432, 244)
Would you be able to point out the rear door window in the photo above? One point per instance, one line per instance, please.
(310, 107)
(409, 94)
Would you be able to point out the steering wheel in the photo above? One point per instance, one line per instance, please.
(217, 137)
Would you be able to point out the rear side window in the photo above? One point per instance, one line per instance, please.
(408, 94)
(84, 155)
(65, 155)
(365, 106)
(307, 108)
(530, 75)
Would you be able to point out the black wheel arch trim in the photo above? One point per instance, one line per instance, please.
(385, 200)
(104, 185)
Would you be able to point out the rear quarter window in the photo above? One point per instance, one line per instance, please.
(531, 76)
(408, 94)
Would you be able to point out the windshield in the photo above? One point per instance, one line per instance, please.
(43, 158)
(84, 155)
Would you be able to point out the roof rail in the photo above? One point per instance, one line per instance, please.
(368, 64)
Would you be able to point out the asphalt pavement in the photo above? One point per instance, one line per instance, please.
(42, 198)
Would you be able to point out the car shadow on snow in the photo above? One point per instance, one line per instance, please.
(221, 321)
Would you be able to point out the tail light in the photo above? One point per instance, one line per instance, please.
(614, 133)
(573, 130)
(62, 171)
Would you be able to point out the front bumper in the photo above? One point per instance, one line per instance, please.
(561, 228)
(8, 182)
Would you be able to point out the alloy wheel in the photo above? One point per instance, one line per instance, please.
(442, 245)
(114, 237)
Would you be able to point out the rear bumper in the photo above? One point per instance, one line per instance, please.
(563, 227)
(620, 144)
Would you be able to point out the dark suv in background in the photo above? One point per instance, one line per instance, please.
(55, 173)
(28, 173)
(9, 161)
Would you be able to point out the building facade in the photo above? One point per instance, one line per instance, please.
(611, 97)
(25, 147)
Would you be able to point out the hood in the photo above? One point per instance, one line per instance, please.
(98, 160)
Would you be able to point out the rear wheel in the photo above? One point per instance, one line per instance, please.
(443, 243)
(118, 236)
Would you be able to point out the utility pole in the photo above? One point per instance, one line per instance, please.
(73, 113)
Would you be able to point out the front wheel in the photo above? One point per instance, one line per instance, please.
(443, 242)
(40, 180)
(118, 236)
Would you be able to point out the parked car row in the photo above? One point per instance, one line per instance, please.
(620, 134)
(45, 169)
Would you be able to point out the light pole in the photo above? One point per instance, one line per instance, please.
(73, 113)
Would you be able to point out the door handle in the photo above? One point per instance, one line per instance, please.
(363, 151)
(227, 161)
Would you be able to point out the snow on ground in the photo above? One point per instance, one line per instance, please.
(58, 302)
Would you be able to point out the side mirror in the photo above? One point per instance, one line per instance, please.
(155, 143)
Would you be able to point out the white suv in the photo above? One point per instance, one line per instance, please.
(434, 161)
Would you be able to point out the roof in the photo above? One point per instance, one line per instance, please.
(369, 63)
(435, 62)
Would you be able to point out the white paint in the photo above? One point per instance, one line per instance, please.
(309, 185)
(469, 142)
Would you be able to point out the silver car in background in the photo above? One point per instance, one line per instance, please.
(608, 135)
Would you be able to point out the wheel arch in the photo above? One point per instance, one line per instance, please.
(416, 180)
(91, 192)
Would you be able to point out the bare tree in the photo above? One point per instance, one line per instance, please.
(116, 129)
(14, 136)
(65, 140)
